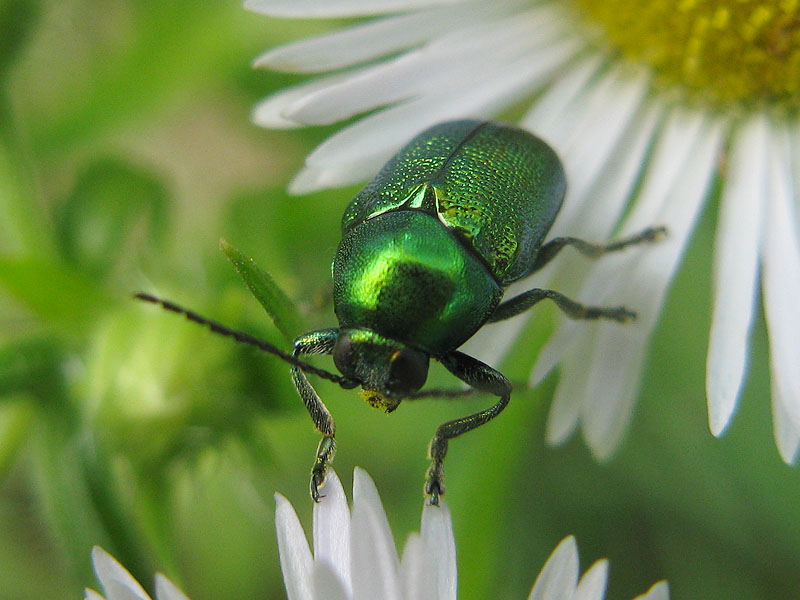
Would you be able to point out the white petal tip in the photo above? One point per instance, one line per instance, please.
(331, 485)
(112, 574)
(789, 456)
(362, 480)
(559, 431)
(285, 515)
(720, 414)
(603, 454)
(568, 545)
(271, 120)
(540, 371)
(603, 445)
(559, 575)
(166, 590)
(659, 591)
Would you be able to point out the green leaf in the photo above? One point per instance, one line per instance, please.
(23, 227)
(29, 366)
(17, 20)
(16, 418)
(114, 210)
(58, 295)
(277, 304)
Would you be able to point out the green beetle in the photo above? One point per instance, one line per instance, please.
(427, 249)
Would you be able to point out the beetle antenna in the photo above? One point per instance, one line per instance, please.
(244, 338)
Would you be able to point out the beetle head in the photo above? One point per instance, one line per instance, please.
(387, 370)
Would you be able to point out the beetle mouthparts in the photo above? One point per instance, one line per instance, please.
(378, 400)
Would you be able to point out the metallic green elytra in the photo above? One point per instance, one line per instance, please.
(428, 247)
(497, 188)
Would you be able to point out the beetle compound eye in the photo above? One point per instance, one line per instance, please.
(343, 354)
(408, 371)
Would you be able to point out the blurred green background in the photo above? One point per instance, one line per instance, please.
(126, 152)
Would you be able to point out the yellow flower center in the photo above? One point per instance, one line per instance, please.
(727, 51)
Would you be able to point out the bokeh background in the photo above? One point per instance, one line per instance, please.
(126, 153)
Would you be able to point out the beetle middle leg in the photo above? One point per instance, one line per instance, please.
(482, 377)
(549, 250)
(316, 342)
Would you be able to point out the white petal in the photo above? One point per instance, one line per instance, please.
(609, 112)
(671, 156)
(559, 576)
(269, 112)
(437, 531)
(312, 179)
(375, 565)
(659, 591)
(92, 595)
(736, 270)
(610, 192)
(416, 571)
(453, 62)
(601, 130)
(787, 436)
(494, 341)
(327, 583)
(781, 264)
(592, 585)
(602, 99)
(611, 375)
(117, 582)
(549, 114)
(350, 46)
(610, 393)
(641, 277)
(366, 495)
(166, 590)
(566, 406)
(389, 129)
(338, 8)
(332, 528)
(380, 135)
(373, 39)
(295, 555)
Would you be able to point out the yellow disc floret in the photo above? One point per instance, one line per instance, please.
(744, 52)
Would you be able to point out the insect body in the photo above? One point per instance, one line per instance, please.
(427, 249)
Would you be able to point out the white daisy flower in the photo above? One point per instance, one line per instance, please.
(355, 557)
(646, 102)
(119, 584)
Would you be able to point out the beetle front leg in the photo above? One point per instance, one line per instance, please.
(316, 342)
(482, 377)
(574, 310)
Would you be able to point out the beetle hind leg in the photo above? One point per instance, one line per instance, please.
(574, 310)
(549, 250)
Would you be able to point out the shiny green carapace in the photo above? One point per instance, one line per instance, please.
(455, 216)
(427, 249)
